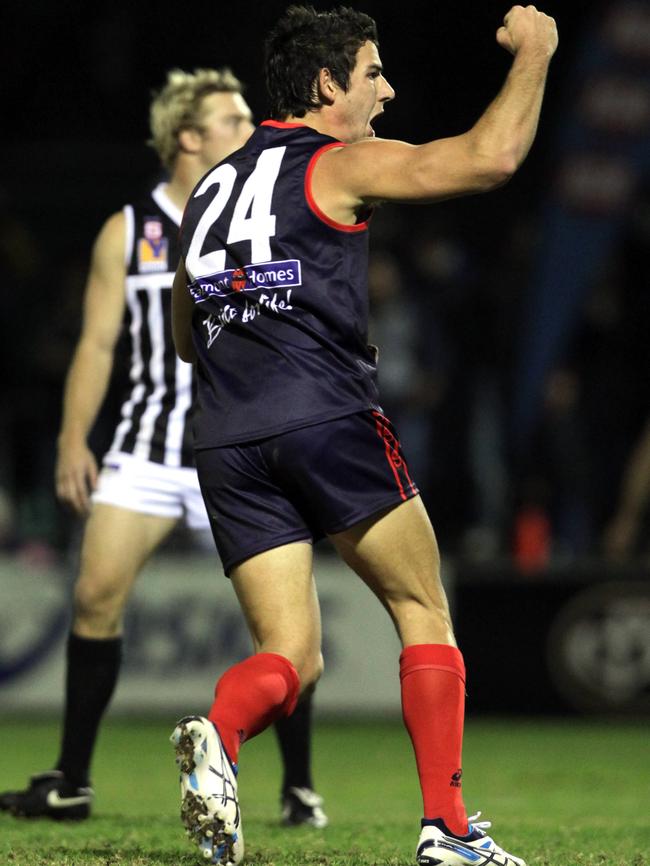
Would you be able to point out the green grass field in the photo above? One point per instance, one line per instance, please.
(559, 793)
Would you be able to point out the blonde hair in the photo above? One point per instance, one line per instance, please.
(177, 106)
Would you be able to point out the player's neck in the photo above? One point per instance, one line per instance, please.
(182, 181)
(313, 119)
(324, 120)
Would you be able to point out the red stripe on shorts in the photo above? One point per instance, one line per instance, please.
(395, 459)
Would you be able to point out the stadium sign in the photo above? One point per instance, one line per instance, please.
(33, 619)
(599, 649)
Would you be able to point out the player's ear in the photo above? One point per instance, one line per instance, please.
(189, 140)
(327, 86)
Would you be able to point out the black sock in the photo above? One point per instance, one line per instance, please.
(93, 667)
(294, 737)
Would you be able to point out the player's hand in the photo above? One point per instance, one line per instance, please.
(619, 536)
(526, 28)
(75, 476)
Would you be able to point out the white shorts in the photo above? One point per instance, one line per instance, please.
(152, 488)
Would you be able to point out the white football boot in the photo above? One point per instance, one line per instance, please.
(209, 804)
(439, 848)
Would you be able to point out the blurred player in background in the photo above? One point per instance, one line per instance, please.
(148, 481)
(271, 299)
(623, 534)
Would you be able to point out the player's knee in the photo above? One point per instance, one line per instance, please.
(98, 606)
(310, 672)
(319, 667)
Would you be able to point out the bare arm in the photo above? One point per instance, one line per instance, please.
(481, 159)
(634, 497)
(182, 309)
(92, 363)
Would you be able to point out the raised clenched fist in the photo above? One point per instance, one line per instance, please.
(527, 28)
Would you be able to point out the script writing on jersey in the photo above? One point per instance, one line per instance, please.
(215, 323)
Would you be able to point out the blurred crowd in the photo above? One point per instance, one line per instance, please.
(447, 316)
(446, 307)
(513, 330)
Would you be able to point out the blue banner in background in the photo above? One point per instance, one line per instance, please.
(603, 156)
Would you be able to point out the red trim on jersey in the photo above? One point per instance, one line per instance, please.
(311, 201)
(395, 459)
(281, 124)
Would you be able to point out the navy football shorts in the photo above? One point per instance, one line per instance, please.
(301, 485)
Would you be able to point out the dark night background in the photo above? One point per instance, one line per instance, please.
(75, 91)
(513, 326)
(78, 78)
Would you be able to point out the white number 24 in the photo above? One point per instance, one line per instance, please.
(255, 197)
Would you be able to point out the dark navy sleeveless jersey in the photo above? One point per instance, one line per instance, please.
(280, 294)
(155, 420)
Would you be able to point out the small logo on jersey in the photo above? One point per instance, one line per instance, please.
(238, 279)
(456, 779)
(153, 247)
(268, 275)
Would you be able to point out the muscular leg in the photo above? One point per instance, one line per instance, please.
(396, 554)
(277, 594)
(116, 545)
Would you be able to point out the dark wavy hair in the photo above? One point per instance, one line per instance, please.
(302, 43)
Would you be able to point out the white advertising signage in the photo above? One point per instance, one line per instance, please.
(183, 629)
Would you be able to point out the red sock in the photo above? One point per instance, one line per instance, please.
(433, 705)
(250, 696)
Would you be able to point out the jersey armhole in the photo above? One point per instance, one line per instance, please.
(311, 201)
